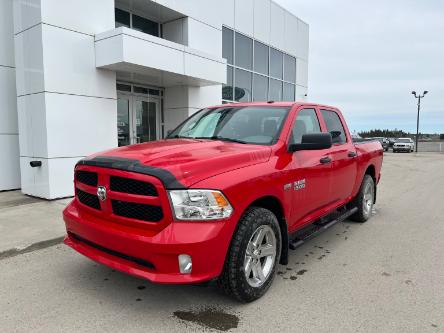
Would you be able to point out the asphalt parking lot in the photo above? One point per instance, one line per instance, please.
(386, 275)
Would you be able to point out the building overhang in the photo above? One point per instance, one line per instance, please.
(158, 61)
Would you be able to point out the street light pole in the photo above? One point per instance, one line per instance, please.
(417, 117)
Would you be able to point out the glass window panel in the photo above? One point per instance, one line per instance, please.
(122, 18)
(276, 60)
(152, 121)
(146, 121)
(123, 87)
(288, 94)
(140, 90)
(154, 92)
(307, 122)
(123, 138)
(227, 89)
(289, 68)
(145, 25)
(260, 58)
(334, 126)
(227, 44)
(275, 90)
(242, 90)
(244, 51)
(260, 88)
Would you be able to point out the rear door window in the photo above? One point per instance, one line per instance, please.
(334, 126)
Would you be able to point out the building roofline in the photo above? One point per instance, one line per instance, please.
(288, 11)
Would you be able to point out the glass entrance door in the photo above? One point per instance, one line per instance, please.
(123, 120)
(137, 119)
(146, 119)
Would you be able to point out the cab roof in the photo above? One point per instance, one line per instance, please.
(273, 103)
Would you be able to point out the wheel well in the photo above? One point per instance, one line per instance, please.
(274, 205)
(371, 171)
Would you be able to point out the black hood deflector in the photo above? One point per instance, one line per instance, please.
(167, 178)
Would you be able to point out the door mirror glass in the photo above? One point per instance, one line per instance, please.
(335, 134)
(312, 141)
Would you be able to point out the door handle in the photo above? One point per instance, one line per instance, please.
(325, 160)
(352, 154)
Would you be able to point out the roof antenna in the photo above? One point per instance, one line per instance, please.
(270, 101)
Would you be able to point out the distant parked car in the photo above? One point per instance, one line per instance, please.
(404, 144)
(384, 142)
(391, 142)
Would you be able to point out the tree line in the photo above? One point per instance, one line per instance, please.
(396, 133)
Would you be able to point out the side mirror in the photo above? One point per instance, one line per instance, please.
(313, 141)
(335, 134)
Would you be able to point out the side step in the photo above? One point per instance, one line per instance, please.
(317, 228)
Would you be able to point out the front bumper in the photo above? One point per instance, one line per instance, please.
(402, 148)
(151, 254)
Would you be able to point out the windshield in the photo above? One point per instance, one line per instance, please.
(250, 124)
(403, 140)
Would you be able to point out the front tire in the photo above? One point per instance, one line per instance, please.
(254, 252)
(364, 200)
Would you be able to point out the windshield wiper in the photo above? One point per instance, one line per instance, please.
(177, 136)
(221, 138)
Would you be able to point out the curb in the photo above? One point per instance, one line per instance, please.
(31, 248)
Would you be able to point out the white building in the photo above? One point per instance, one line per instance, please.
(78, 77)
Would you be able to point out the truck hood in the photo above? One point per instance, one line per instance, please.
(191, 160)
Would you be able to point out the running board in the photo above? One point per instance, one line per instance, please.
(319, 228)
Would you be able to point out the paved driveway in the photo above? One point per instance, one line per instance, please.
(386, 275)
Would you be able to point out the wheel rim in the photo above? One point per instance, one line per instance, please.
(368, 199)
(260, 256)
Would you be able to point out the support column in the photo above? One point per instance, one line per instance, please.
(182, 101)
(9, 146)
(67, 107)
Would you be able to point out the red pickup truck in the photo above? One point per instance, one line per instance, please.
(225, 196)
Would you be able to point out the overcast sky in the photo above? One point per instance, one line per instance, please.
(367, 56)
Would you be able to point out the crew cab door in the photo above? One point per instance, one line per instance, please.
(309, 180)
(343, 155)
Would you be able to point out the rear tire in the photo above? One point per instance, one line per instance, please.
(254, 252)
(364, 200)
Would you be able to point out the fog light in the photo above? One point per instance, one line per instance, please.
(185, 263)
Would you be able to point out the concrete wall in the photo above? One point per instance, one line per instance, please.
(9, 146)
(66, 107)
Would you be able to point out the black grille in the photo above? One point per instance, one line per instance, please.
(138, 261)
(88, 199)
(87, 177)
(137, 211)
(127, 185)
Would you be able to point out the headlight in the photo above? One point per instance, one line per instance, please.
(199, 205)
